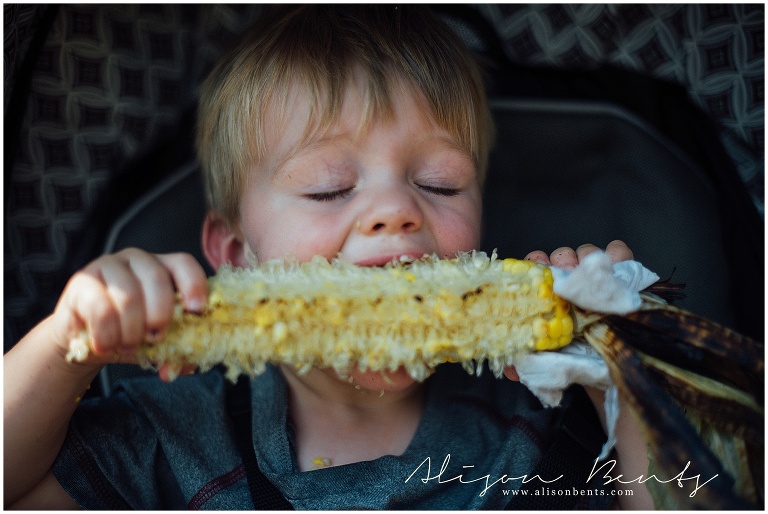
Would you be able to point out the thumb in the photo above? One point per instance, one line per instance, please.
(511, 373)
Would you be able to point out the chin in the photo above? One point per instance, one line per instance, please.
(377, 381)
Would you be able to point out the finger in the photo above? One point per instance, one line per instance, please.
(157, 290)
(171, 371)
(584, 250)
(188, 369)
(84, 302)
(189, 278)
(125, 292)
(618, 251)
(564, 257)
(538, 256)
(511, 373)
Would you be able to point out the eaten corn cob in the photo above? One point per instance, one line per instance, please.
(416, 315)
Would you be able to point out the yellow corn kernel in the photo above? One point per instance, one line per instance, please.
(334, 314)
(262, 317)
(555, 328)
(320, 462)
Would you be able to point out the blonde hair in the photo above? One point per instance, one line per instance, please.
(319, 48)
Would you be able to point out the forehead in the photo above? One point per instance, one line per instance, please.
(302, 117)
(306, 116)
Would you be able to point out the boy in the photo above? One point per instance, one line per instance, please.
(356, 131)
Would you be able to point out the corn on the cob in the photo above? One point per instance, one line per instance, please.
(334, 314)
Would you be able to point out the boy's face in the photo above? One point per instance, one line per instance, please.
(403, 187)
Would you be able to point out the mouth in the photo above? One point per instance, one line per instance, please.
(383, 260)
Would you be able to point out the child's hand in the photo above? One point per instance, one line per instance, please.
(568, 258)
(125, 299)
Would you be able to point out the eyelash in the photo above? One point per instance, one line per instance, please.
(330, 195)
(442, 191)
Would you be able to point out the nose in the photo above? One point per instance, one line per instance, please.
(391, 212)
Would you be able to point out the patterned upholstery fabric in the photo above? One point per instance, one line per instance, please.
(715, 50)
(110, 81)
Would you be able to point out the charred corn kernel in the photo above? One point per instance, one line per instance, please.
(471, 309)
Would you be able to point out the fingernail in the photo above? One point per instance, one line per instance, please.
(172, 371)
(195, 305)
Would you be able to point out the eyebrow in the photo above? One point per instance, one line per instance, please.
(447, 140)
(305, 143)
(444, 140)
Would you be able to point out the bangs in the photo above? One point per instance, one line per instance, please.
(325, 99)
(322, 51)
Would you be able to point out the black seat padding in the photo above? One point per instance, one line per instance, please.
(565, 173)
(167, 219)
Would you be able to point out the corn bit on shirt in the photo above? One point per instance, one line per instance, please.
(155, 445)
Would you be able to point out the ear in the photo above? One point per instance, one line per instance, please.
(222, 244)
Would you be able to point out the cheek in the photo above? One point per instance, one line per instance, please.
(458, 230)
(452, 241)
(279, 229)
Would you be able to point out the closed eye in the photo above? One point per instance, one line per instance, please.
(441, 191)
(329, 196)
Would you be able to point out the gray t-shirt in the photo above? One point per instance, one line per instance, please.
(155, 445)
